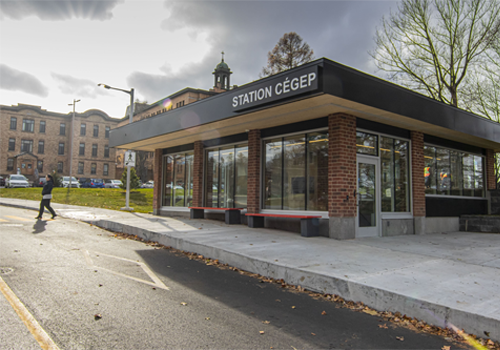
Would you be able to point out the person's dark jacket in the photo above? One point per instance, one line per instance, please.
(47, 188)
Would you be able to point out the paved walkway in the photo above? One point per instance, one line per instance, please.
(443, 279)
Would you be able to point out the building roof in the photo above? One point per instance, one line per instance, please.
(314, 90)
(39, 110)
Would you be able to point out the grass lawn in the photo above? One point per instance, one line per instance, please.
(108, 198)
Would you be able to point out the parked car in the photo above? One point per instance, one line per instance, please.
(2, 181)
(149, 184)
(74, 182)
(93, 183)
(17, 181)
(112, 183)
(41, 181)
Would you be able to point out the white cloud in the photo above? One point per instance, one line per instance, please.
(16, 80)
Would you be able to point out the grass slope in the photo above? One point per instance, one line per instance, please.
(141, 199)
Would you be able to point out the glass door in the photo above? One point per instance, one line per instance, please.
(367, 224)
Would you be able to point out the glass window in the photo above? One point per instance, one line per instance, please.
(93, 168)
(317, 171)
(94, 150)
(394, 160)
(12, 144)
(241, 177)
(296, 172)
(27, 146)
(96, 130)
(61, 148)
(226, 177)
(106, 132)
(430, 169)
(42, 127)
(366, 143)
(80, 167)
(60, 167)
(450, 172)
(13, 123)
(62, 129)
(178, 180)
(28, 125)
(83, 129)
(10, 164)
(39, 166)
(41, 147)
(273, 180)
(82, 149)
(106, 151)
(105, 169)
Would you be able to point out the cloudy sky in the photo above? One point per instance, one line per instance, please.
(52, 52)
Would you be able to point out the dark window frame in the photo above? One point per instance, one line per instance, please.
(13, 123)
(12, 144)
(41, 150)
(81, 151)
(27, 142)
(83, 129)
(28, 125)
(62, 129)
(96, 130)
(94, 150)
(60, 150)
(40, 129)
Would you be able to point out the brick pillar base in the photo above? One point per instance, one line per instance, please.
(342, 208)
(198, 174)
(157, 177)
(418, 181)
(253, 187)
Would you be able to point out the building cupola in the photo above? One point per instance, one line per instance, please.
(222, 75)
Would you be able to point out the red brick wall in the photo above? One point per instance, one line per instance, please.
(417, 175)
(342, 165)
(198, 174)
(490, 170)
(253, 189)
(158, 166)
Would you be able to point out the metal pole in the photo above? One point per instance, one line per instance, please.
(130, 120)
(71, 144)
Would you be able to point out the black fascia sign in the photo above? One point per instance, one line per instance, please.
(284, 86)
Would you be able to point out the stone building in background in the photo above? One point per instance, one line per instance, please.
(35, 142)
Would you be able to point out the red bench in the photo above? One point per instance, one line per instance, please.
(232, 215)
(309, 224)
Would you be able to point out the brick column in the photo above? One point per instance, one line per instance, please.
(491, 183)
(253, 187)
(157, 177)
(342, 208)
(198, 174)
(418, 181)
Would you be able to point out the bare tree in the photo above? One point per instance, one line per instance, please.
(431, 46)
(288, 53)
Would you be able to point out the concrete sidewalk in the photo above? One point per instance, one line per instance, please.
(443, 279)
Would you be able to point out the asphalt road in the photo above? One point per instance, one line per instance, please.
(88, 289)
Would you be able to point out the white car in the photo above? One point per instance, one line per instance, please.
(149, 184)
(112, 183)
(17, 181)
(74, 182)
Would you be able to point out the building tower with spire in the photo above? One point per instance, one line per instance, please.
(222, 75)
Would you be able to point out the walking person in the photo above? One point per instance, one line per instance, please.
(47, 196)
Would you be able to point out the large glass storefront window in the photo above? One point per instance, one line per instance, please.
(226, 175)
(394, 161)
(178, 180)
(296, 172)
(450, 172)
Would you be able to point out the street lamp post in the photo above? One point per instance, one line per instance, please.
(71, 145)
(130, 120)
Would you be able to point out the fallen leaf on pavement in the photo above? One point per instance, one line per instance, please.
(261, 332)
(445, 347)
(293, 307)
(323, 313)
(370, 311)
(207, 318)
(266, 322)
(313, 333)
(183, 303)
(97, 317)
(400, 338)
(383, 326)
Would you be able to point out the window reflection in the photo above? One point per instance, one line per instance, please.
(296, 172)
(226, 177)
(366, 143)
(178, 180)
(394, 161)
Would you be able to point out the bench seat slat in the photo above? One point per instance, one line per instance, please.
(287, 216)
